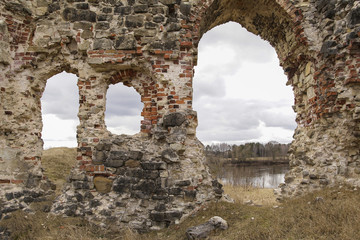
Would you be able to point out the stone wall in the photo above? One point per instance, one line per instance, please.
(157, 177)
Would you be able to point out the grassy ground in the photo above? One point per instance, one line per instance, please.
(334, 217)
(328, 214)
(57, 163)
(249, 194)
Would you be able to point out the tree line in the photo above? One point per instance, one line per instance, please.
(245, 151)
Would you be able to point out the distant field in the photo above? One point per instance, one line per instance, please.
(57, 163)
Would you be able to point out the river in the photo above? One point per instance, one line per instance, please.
(263, 176)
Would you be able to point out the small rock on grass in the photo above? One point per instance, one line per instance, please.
(204, 230)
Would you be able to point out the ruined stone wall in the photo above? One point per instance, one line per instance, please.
(157, 176)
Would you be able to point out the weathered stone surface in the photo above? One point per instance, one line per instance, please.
(113, 162)
(102, 26)
(17, 8)
(122, 10)
(143, 8)
(168, 216)
(354, 16)
(329, 48)
(132, 164)
(122, 184)
(168, 2)
(82, 25)
(126, 42)
(134, 21)
(153, 165)
(72, 14)
(102, 184)
(174, 119)
(102, 43)
(83, 6)
(185, 8)
(204, 230)
(5, 57)
(53, 7)
(170, 156)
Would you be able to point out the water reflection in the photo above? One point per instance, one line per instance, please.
(263, 176)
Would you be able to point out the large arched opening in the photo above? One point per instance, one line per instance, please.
(244, 108)
(275, 24)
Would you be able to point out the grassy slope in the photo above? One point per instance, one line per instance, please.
(328, 214)
(57, 163)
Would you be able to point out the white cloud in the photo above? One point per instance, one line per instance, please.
(239, 89)
(61, 96)
(122, 101)
(247, 46)
(59, 132)
(124, 124)
(60, 104)
(123, 109)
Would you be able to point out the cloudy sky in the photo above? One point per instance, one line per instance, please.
(239, 94)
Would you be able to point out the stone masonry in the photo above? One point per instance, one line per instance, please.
(157, 177)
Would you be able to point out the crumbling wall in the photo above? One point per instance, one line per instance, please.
(157, 176)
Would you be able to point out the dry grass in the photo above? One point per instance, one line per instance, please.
(327, 214)
(44, 226)
(244, 194)
(57, 163)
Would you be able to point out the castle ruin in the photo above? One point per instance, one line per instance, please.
(158, 177)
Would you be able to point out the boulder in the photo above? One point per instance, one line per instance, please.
(205, 229)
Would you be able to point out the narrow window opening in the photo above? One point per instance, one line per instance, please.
(242, 102)
(123, 110)
(59, 106)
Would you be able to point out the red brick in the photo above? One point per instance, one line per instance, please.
(4, 181)
(90, 168)
(17, 181)
(145, 99)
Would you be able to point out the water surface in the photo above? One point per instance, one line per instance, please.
(263, 176)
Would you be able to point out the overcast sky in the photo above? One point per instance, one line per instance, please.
(239, 94)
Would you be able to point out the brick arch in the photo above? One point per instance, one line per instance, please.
(279, 24)
(145, 87)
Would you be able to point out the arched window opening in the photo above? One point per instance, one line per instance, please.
(123, 110)
(59, 106)
(241, 97)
